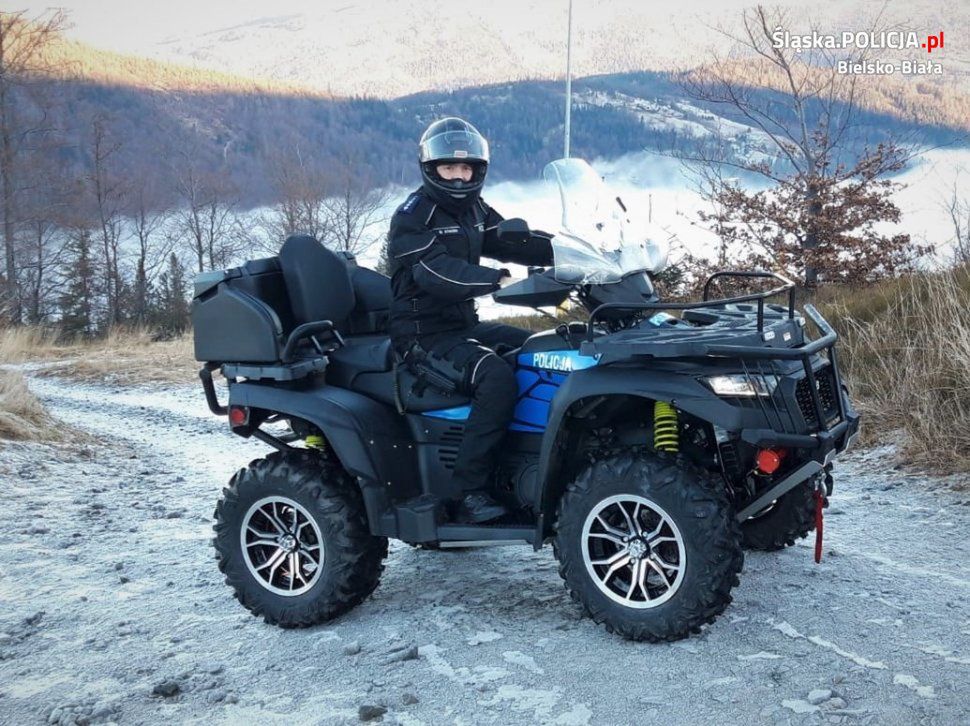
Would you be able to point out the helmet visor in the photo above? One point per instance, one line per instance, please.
(454, 145)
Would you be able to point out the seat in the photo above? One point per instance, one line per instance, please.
(380, 386)
(361, 354)
(322, 286)
(365, 365)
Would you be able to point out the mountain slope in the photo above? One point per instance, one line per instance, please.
(166, 118)
(387, 48)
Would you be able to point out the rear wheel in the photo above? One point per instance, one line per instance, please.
(648, 546)
(293, 542)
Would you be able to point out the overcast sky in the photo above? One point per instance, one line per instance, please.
(132, 25)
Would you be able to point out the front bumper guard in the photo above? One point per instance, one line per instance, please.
(824, 446)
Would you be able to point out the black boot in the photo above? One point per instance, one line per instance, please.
(479, 507)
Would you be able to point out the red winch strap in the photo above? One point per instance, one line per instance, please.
(819, 504)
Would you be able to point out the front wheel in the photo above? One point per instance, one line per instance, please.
(293, 542)
(649, 546)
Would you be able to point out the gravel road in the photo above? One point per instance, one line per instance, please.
(112, 608)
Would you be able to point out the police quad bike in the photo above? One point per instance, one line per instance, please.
(648, 448)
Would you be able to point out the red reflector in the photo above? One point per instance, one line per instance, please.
(769, 460)
(238, 416)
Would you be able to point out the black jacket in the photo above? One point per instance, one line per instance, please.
(434, 253)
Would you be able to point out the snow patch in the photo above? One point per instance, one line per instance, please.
(32, 686)
(799, 706)
(945, 654)
(725, 681)
(897, 566)
(857, 659)
(791, 632)
(488, 674)
(904, 679)
(539, 701)
(578, 715)
(519, 658)
(787, 629)
(438, 664)
(484, 636)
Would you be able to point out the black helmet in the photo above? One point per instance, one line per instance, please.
(453, 140)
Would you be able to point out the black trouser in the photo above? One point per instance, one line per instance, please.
(490, 382)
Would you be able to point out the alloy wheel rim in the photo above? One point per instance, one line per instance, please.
(633, 551)
(282, 546)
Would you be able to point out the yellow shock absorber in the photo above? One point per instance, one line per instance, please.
(665, 432)
(315, 441)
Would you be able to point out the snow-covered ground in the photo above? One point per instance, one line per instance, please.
(112, 608)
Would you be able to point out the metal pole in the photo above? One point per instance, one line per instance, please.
(569, 74)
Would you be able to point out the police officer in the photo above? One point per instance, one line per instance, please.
(437, 238)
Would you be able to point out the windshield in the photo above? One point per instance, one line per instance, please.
(601, 241)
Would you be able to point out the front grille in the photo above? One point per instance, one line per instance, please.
(826, 393)
(730, 461)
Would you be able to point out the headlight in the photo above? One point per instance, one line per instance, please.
(741, 386)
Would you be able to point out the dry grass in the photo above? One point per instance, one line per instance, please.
(22, 416)
(906, 351)
(19, 345)
(124, 356)
(128, 357)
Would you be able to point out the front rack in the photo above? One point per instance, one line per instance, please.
(759, 297)
(748, 353)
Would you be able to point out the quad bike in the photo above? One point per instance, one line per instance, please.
(648, 448)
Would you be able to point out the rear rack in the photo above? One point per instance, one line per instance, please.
(753, 353)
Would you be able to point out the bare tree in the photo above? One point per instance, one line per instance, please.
(42, 240)
(150, 217)
(356, 207)
(22, 61)
(109, 190)
(45, 247)
(301, 189)
(208, 216)
(823, 201)
(958, 207)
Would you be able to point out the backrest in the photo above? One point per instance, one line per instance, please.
(317, 280)
(373, 293)
(372, 289)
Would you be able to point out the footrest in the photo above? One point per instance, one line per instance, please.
(417, 518)
(470, 533)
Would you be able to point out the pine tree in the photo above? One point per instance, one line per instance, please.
(383, 265)
(171, 313)
(78, 303)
